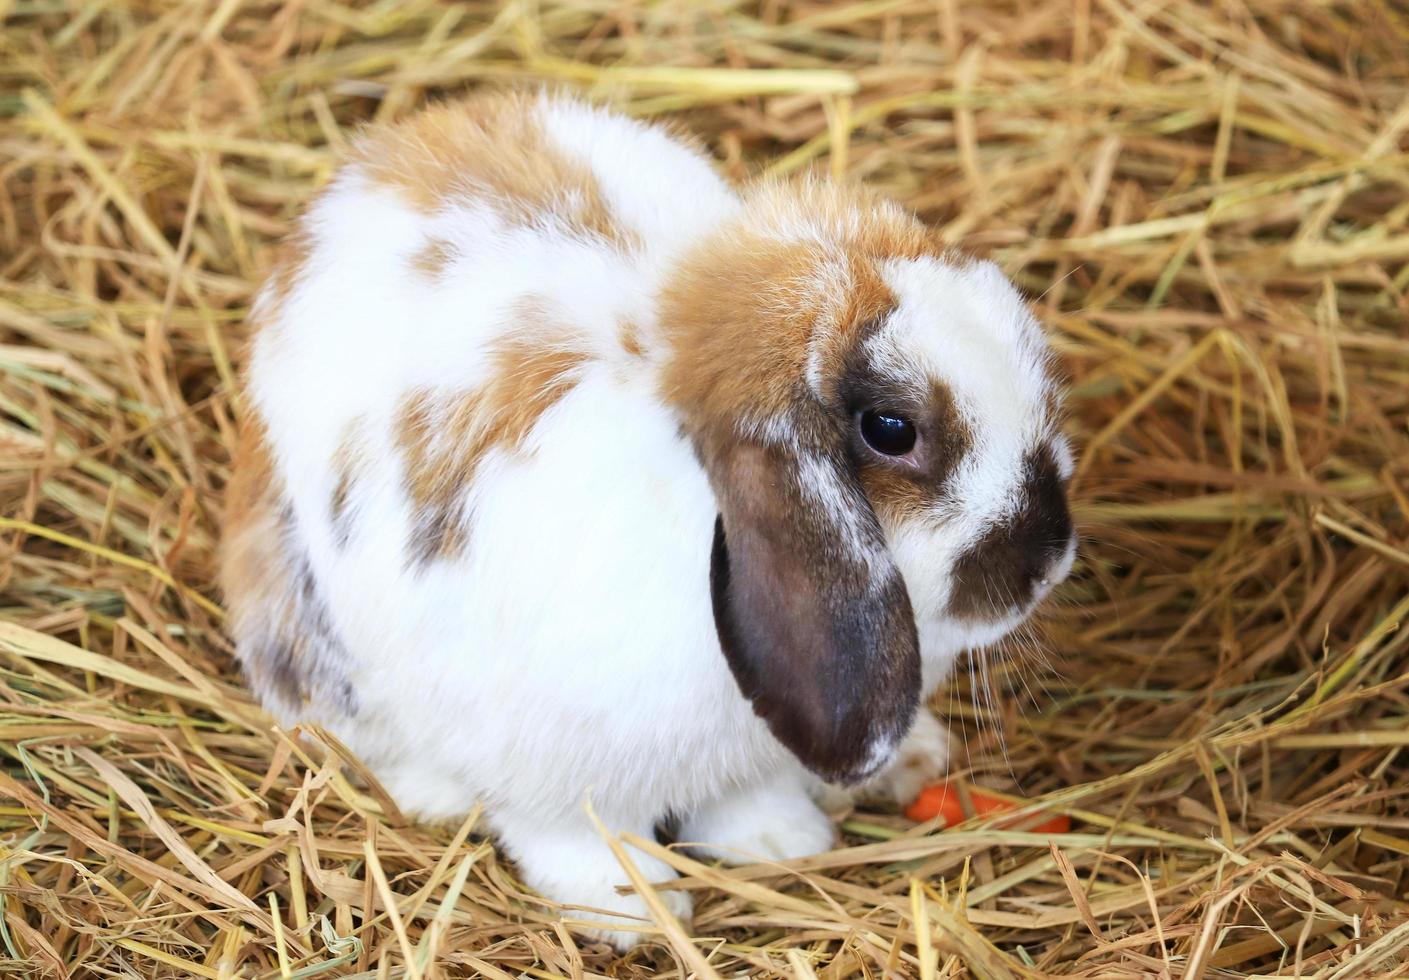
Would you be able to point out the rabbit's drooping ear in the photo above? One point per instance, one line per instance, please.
(811, 611)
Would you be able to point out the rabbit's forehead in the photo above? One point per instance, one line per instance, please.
(964, 329)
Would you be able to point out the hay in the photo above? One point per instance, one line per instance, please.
(1210, 203)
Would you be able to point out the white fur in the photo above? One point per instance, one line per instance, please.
(571, 651)
(775, 820)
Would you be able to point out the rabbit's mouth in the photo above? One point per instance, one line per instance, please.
(945, 633)
(1007, 617)
(1055, 576)
(1017, 562)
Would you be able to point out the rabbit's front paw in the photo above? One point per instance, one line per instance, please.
(772, 822)
(574, 868)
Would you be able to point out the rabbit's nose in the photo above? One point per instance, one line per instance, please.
(1050, 565)
(1020, 560)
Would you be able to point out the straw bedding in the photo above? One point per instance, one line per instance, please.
(1208, 203)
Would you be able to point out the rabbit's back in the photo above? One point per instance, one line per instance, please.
(470, 229)
(453, 401)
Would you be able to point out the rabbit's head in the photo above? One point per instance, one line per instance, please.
(878, 421)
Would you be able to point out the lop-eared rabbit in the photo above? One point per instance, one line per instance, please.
(571, 472)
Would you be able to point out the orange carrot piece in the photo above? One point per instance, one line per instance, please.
(943, 800)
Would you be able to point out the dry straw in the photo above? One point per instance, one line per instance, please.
(1209, 203)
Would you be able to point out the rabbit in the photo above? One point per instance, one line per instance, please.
(570, 473)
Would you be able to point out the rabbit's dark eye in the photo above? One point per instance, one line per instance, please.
(888, 434)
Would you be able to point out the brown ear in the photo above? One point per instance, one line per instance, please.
(811, 612)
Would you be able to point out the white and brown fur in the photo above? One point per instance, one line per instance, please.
(551, 486)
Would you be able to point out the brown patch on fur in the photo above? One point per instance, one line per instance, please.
(445, 435)
(629, 338)
(281, 628)
(951, 436)
(492, 150)
(739, 332)
(349, 460)
(438, 435)
(896, 496)
(432, 258)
